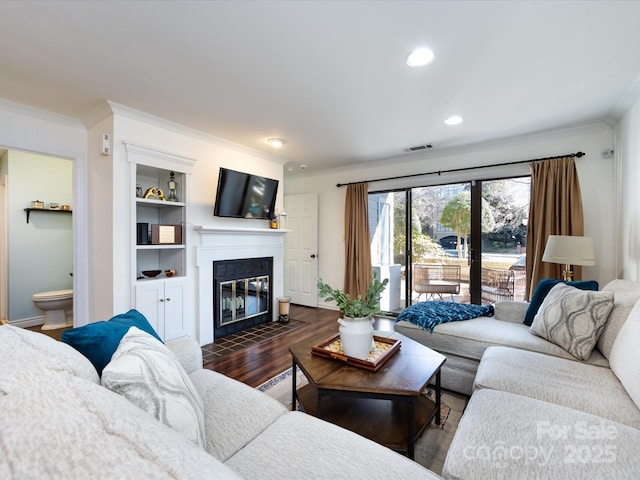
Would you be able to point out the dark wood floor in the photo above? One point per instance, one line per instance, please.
(55, 334)
(257, 364)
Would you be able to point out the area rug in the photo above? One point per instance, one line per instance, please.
(431, 447)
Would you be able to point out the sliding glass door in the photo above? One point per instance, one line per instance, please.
(440, 251)
(387, 213)
(462, 242)
(505, 211)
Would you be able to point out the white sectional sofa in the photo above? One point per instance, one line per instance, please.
(58, 422)
(535, 410)
(464, 342)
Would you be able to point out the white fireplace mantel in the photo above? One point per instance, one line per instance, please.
(232, 243)
(213, 230)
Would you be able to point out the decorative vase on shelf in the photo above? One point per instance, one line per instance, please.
(356, 336)
(173, 186)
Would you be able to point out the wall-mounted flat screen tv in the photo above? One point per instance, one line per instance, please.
(242, 195)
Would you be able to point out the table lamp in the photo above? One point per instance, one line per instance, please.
(569, 250)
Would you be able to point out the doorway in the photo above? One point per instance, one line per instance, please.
(3, 246)
(463, 242)
(301, 249)
(38, 255)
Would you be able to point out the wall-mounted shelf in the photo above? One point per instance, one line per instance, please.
(46, 210)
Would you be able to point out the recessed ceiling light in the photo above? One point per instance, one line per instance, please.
(276, 142)
(420, 57)
(454, 120)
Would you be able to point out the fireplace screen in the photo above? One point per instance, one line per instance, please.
(244, 298)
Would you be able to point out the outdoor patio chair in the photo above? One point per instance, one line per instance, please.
(435, 280)
(502, 285)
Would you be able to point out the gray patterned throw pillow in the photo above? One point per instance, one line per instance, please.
(573, 319)
(149, 375)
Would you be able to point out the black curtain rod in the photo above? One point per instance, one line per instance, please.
(464, 169)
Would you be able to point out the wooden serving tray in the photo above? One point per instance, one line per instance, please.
(332, 348)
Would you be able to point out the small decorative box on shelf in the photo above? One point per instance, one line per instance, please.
(385, 349)
(166, 234)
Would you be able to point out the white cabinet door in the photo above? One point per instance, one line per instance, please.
(150, 302)
(162, 302)
(174, 311)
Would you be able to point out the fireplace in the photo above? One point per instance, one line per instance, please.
(227, 243)
(242, 295)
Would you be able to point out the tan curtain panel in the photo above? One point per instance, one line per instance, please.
(555, 208)
(357, 269)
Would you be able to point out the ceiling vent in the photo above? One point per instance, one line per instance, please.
(418, 148)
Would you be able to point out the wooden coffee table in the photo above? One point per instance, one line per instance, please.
(385, 406)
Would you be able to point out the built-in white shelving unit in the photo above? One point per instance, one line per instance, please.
(160, 298)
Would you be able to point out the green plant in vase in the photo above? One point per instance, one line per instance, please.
(356, 330)
(359, 307)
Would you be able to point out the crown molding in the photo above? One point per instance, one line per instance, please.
(39, 113)
(626, 101)
(583, 129)
(100, 112)
(132, 113)
(438, 153)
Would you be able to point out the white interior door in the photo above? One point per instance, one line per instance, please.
(301, 249)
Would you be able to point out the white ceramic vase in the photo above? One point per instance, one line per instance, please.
(356, 336)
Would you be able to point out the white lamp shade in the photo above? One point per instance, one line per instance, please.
(569, 250)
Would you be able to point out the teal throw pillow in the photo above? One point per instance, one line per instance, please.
(543, 288)
(98, 341)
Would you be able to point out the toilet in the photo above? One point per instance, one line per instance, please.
(58, 308)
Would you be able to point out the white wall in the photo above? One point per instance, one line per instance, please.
(596, 178)
(32, 130)
(627, 155)
(100, 223)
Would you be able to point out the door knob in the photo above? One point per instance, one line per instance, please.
(313, 255)
(168, 299)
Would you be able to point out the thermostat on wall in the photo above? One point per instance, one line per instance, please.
(106, 147)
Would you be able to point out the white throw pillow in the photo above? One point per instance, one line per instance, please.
(149, 375)
(572, 318)
(624, 359)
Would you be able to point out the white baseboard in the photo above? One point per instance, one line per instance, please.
(27, 322)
